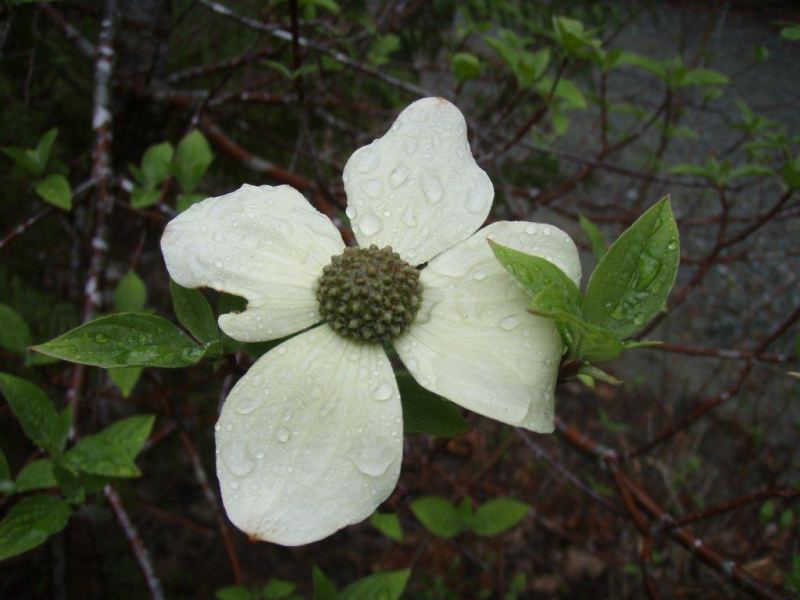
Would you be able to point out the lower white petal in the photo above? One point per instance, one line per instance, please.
(265, 243)
(474, 342)
(310, 439)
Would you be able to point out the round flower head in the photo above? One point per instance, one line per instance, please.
(310, 439)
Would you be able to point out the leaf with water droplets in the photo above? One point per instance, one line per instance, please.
(633, 280)
(125, 340)
(35, 413)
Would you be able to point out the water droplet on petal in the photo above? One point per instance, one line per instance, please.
(369, 159)
(369, 224)
(531, 229)
(432, 187)
(235, 457)
(247, 404)
(283, 434)
(398, 175)
(372, 455)
(546, 230)
(373, 187)
(384, 391)
(350, 211)
(479, 275)
(510, 322)
(475, 201)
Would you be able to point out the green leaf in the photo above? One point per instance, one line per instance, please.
(536, 274)
(388, 524)
(34, 411)
(596, 238)
(98, 455)
(497, 516)
(14, 333)
(156, 164)
(594, 373)
(194, 312)
(42, 151)
(36, 475)
(791, 33)
(30, 523)
(130, 434)
(382, 48)
(786, 519)
(55, 190)
(633, 280)
(324, 588)
(125, 340)
(25, 159)
(192, 159)
(426, 412)
(125, 378)
(702, 77)
(277, 589)
(130, 294)
(767, 511)
(184, 201)
(234, 592)
(69, 483)
(438, 515)
(583, 340)
(466, 66)
(142, 197)
(791, 173)
(384, 586)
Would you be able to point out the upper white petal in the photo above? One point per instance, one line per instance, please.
(265, 243)
(418, 188)
(310, 439)
(473, 340)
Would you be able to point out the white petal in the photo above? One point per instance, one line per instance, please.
(310, 439)
(265, 243)
(417, 188)
(473, 341)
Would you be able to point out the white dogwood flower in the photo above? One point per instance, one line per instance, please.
(310, 439)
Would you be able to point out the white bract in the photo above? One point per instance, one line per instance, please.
(310, 439)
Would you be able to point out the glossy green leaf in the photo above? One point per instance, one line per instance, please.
(55, 189)
(536, 274)
(438, 515)
(633, 280)
(194, 312)
(125, 378)
(125, 340)
(388, 524)
(98, 455)
(34, 411)
(596, 238)
(30, 523)
(36, 475)
(192, 159)
(130, 295)
(497, 516)
(582, 339)
(426, 412)
(15, 336)
(131, 433)
(383, 586)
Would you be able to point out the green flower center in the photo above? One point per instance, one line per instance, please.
(369, 294)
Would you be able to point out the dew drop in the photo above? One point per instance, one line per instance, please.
(372, 455)
(546, 230)
(479, 275)
(398, 175)
(531, 229)
(432, 187)
(510, 322)
(382, 392)
(475, 201)
(235, 457)
(672, 245)
(283, 434)
(282, 350)
(350, 211)
(373, 187)
(369, 224)
(100, 338)
(369, 160)
(247, 404)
